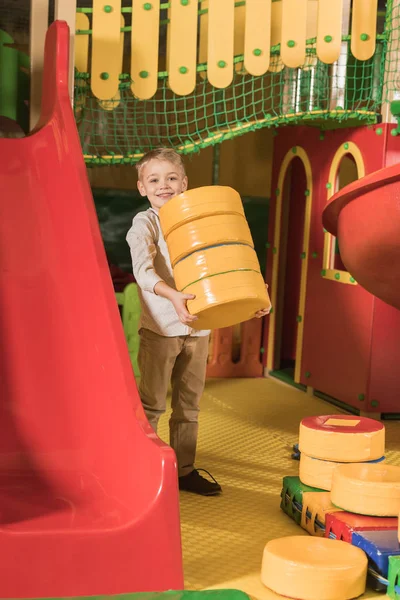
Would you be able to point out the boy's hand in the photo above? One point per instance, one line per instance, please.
(262, 313)
(265, 311)
(179, 301)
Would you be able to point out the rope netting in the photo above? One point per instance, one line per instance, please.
(348, 93)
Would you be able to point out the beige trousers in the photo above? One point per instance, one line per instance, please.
(182, 362)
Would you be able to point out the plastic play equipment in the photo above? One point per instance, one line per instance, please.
(365, 217)
(311, 568)
(342, 525)
(342, 438)
(129, 302)
(213, 257)
(88, 493)
(318, 473)
(362, 506)
(367, 489)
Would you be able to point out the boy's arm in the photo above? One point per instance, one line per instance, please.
(178, 300)
(143, 251)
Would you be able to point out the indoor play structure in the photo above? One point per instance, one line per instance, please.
(327, 70)
(331, 73)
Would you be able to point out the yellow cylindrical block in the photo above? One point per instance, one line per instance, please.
(367, 489)
(213, 261)
(206, 232)
(314, 568)
(318, 473)
(198, 203)
(342, 438)
(227, 299)
(315, 472)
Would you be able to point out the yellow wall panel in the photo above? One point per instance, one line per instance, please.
(294, 30)
(312, 12)
(105, 69)
(203, 43)
(257, 36)
(329, 35)
(82, 43)
(144, 48)
(276, 63)
(114, 102)
(363, 28)
(220, 42)
(182, 56)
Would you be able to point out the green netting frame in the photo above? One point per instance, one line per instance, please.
(328, 96)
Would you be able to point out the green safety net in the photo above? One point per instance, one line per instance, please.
(348, 93)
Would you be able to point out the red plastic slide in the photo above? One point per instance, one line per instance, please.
(365, 217)
(88, 494)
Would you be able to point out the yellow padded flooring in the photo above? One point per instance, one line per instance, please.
(247, 430)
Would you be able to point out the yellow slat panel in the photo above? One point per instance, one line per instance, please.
(329, 34)
(203, 43)
(82, 43)
(220, 42)
(294, 30)
(238, 41)
(276, 23)
(182, 58)
(363, 28)
(276, 63)
(168, 44)
(114, 102)
(144, 48)
(257, 36)
(312, 12)
(105, 69)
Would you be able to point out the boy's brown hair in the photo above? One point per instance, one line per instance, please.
(167, 154)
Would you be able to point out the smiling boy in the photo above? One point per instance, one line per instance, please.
(170, 349)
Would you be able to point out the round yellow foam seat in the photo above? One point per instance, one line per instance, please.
(197, 203)
(367, 489)
(316, 472)
(342, 438)
(227, 299)
(213, 261)
(206, 232)
(314, 568)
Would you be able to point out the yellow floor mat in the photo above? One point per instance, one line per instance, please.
(247, 430)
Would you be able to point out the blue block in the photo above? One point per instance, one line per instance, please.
(378, 546)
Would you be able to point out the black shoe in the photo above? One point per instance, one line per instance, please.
(197, 484)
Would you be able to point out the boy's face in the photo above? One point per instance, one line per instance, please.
(161, 180)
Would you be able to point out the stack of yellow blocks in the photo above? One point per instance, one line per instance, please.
(213, 257)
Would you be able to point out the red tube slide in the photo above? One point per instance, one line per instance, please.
(88, 493)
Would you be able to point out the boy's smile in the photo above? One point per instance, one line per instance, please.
(161, 180)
